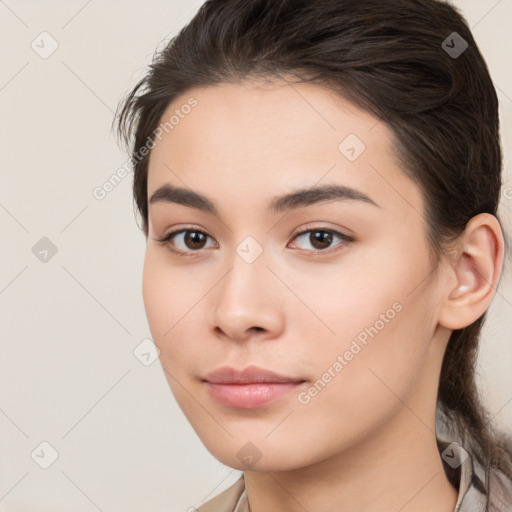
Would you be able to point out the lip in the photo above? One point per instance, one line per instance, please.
(249, 388)
(249, 375)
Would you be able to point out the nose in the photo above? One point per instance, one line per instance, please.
(249, 301)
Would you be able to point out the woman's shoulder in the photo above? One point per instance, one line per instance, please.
(228, 500)
(500, 491)
(476, 485)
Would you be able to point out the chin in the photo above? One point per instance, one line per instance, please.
(254, 456)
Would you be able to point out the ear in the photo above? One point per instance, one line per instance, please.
(477, 266)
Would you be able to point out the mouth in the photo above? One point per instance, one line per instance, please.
(250, 388)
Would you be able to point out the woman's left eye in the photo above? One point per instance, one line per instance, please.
(322, 238)
(193, 239)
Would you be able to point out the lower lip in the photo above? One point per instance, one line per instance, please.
(250, 396)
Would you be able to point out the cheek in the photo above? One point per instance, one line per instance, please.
(155, 293)
(172, 301)
(358, 386)
(340, 301)
(168, 292)
(374, 321)
(163, 301)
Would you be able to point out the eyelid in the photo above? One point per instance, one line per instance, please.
(178, 231)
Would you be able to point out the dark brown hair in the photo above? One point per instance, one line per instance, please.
(389, 58)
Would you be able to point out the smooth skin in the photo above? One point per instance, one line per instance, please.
(366, 442)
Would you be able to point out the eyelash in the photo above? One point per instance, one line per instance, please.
(167, 238)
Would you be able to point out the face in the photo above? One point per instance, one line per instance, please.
(332, 290)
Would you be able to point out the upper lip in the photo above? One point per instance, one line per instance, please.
(249, 375)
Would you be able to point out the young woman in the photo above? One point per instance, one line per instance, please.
(318, 183)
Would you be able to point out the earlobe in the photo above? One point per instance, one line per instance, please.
(477, 270)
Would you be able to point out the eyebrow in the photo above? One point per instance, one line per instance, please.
(296, 199)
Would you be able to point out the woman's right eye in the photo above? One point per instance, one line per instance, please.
(189, 238)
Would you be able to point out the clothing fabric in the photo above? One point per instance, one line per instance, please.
(463, 471)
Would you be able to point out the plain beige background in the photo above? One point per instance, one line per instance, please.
(70, 325)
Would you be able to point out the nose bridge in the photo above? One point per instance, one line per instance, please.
(248, 271)
(246, 296)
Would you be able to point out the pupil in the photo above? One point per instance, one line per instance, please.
(194, 237)
(321, 239)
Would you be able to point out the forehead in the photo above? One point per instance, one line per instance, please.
(257, 136)
(280, 114)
